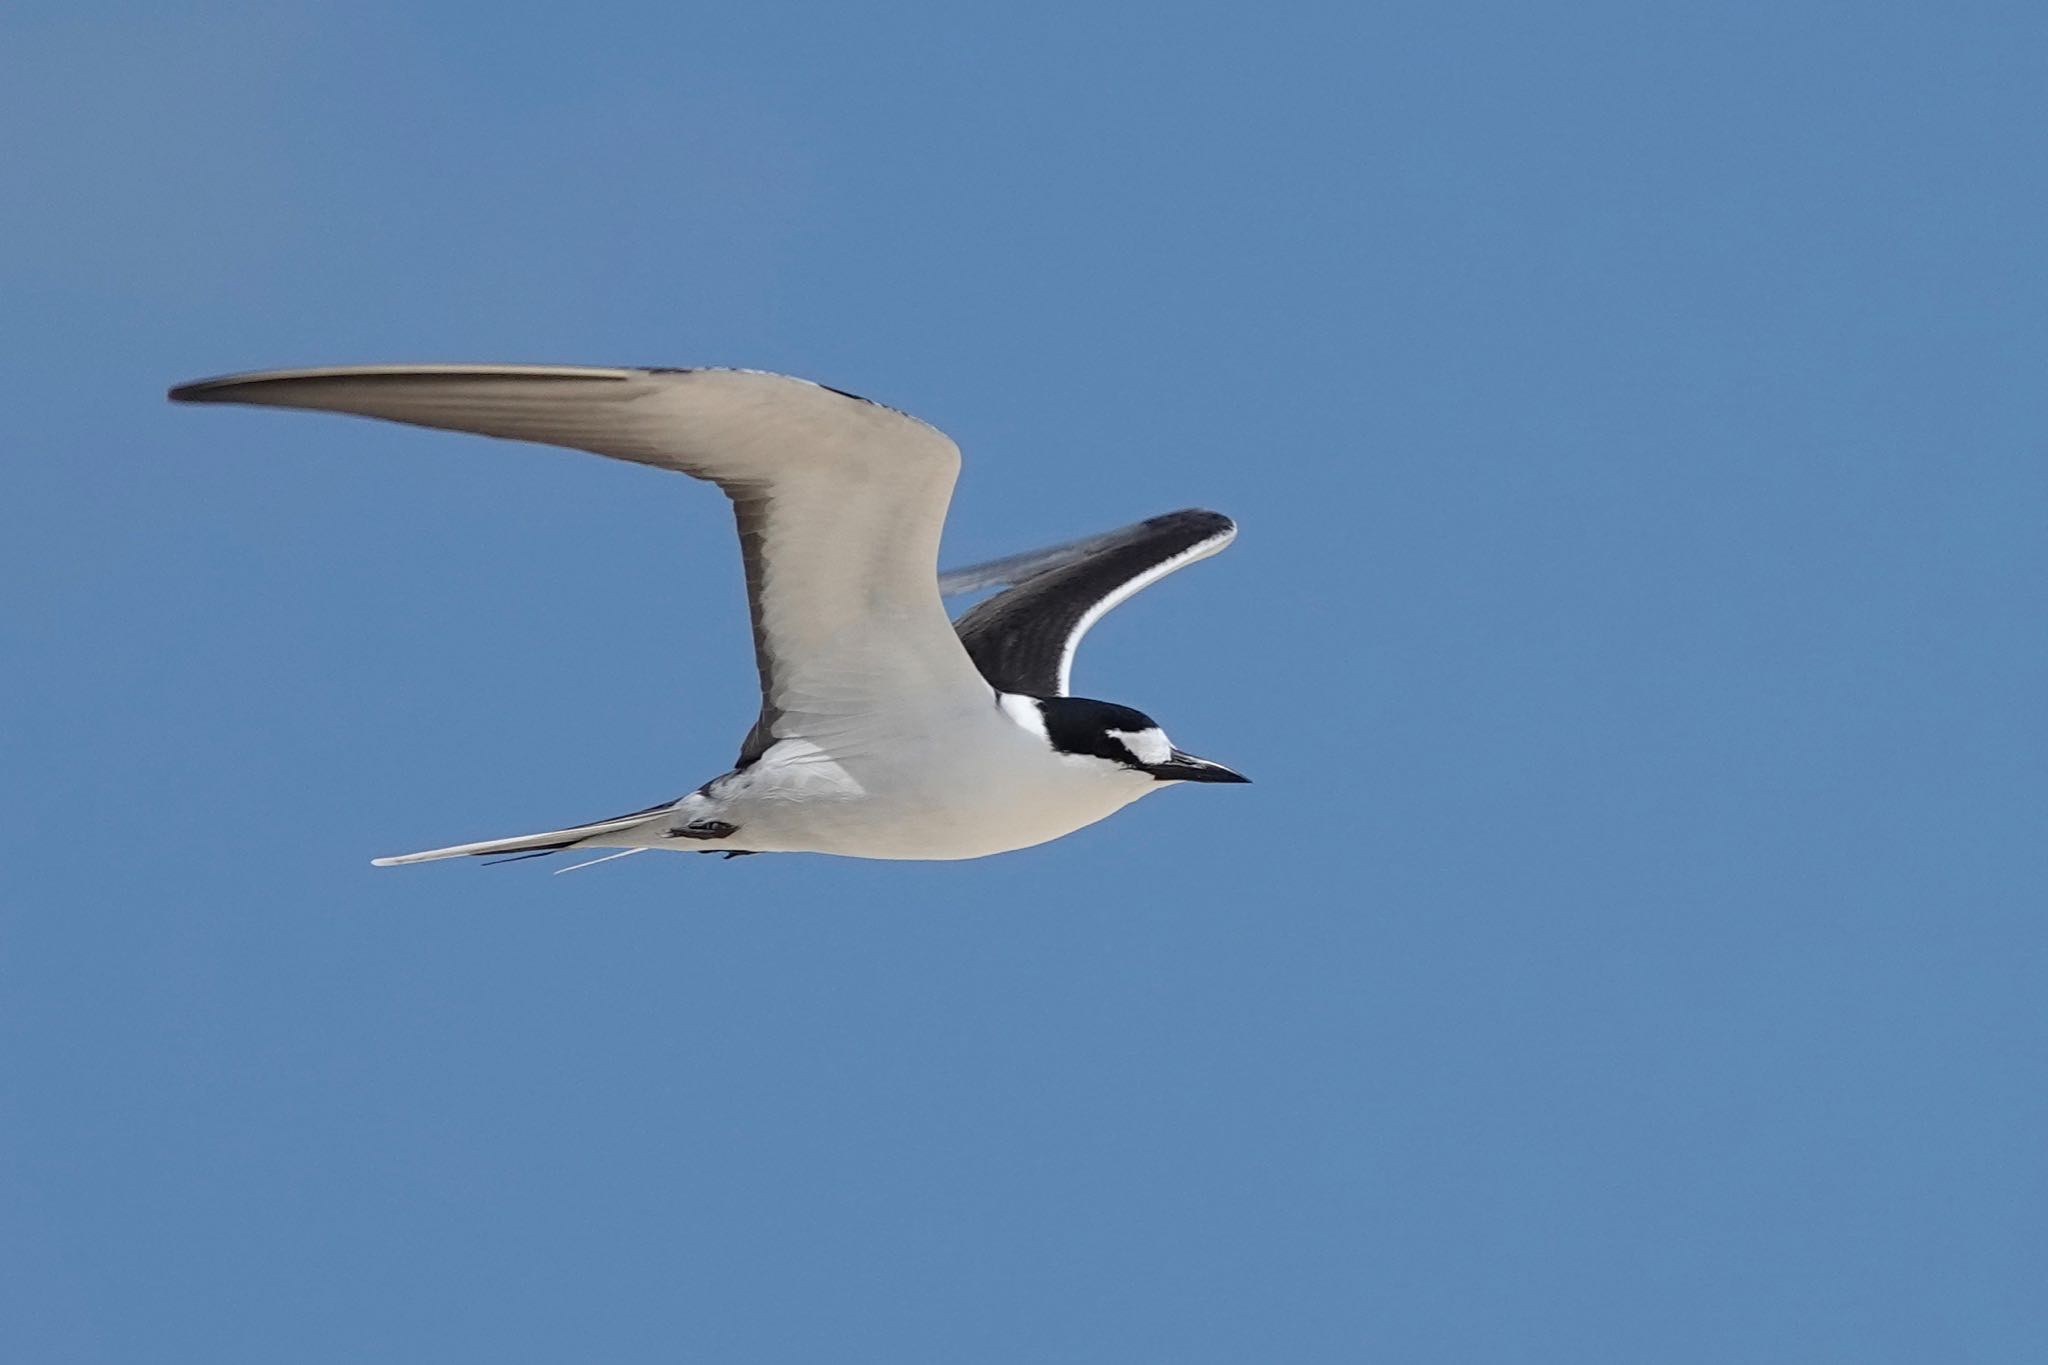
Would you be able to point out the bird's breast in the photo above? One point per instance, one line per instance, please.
(964, 792)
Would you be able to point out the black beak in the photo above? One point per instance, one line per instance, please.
(1187, 768)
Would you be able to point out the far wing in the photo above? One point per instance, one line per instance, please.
(1023, 639)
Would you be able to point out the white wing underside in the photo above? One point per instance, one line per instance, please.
(840, 504)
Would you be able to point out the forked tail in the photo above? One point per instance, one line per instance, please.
(640, 829)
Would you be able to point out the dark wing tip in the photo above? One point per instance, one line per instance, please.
(199, 391)
(1194, 519)
(234, 388)
(238, 388)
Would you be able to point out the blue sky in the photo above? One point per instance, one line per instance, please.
(1631, 949)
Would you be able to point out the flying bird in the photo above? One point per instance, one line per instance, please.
(886, 730)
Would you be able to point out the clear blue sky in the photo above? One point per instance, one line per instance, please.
(1632, 948)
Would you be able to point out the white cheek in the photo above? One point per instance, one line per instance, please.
(1147, 746)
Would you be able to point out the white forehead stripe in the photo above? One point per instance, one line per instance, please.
(1148, 746)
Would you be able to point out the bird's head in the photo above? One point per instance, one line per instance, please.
(1118, 735)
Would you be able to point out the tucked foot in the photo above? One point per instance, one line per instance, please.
(704, 829)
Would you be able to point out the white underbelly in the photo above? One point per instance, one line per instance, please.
(972, 827)
(983, 794)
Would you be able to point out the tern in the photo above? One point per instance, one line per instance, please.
(886, 729)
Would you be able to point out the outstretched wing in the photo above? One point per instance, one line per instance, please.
(1023, 639)
(840, 502)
